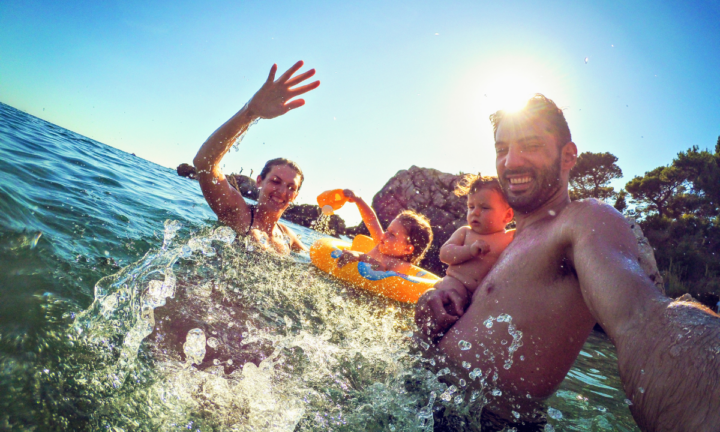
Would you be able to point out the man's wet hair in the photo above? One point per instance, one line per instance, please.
(420, 234)
(471, 183)
(540, 107)
(281, 161)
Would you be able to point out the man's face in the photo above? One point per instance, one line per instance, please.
(528, 162)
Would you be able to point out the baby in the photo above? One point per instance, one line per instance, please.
(472, 250)
(404, 243)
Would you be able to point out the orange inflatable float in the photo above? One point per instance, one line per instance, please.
(325, 252)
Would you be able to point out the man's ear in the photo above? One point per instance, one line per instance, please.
(258, 180)
(568, 156)
(410, 248)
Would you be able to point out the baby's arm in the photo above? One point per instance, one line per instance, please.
(368, 215)
(455, 252)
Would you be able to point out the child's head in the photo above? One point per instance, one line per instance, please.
(408, 237)
(488, 210)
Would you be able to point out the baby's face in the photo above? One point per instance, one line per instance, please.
(487, 211)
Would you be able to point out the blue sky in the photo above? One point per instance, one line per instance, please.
(403, 83)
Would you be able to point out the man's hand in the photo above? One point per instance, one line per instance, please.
(349, 256)
(350, 195)
(479, 248)
(437, 310)
(273, 98)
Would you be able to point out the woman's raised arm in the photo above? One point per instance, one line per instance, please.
(274, 99)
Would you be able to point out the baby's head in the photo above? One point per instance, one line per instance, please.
(407, 237)
(488, 211)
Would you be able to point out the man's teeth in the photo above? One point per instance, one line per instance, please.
(520, 180)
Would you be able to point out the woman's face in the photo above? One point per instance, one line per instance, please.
(279, 188)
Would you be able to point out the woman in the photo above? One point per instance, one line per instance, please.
(280, 179)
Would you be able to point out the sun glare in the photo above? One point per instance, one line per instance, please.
(510, 91)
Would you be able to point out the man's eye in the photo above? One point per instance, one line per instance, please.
(500, 150)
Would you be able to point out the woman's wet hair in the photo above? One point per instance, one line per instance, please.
(281, 161)
(540, 107)
(420, 234)
(471, 183)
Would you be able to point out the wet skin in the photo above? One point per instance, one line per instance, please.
(570, 265)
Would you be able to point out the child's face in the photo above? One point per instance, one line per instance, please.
(395, 242)
(488, 212)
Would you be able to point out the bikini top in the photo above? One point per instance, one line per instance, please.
(286, 238)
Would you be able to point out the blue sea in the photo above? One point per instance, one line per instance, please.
(125, 306)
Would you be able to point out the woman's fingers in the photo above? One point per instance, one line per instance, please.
(297, 103)
(271, 76)
(304, 89)
(300, 78)
(290, 72)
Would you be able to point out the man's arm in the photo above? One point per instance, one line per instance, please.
(668, 352)
(272, 100)
(368, 215)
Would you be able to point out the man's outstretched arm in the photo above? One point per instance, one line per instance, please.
(668, 352)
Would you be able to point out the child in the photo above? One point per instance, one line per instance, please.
(473, 249)
(404, 243)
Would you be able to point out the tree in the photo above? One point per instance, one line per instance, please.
(620, 202)
(658, 190)
(703, 173)
(592, 174)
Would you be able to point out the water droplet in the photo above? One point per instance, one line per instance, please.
(462, 383)
(488, 323)
(628, 402)
(551, 212)
(516, 414)
(503, 342)
(554, 413)
(549, 428)
(497, 392)
(466, 365)
(442, 372)
(213, 343)
(641, 390)
(522, 358)
(464, 345)
(447, 394)
(327, 210)
(458, 399)
(475, 373)
(194, 346)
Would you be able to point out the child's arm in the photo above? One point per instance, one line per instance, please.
(454, 251)
(368, 215)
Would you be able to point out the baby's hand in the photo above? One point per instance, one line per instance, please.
(479, 248)
(350, 195)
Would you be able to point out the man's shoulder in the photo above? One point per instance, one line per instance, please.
(592, 215)
(590, 210)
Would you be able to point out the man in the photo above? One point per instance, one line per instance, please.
(571, 264)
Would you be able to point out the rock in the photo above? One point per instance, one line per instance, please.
(647, 256)
(308, 215)
(186, 170)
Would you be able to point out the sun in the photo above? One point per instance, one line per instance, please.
(509, 91)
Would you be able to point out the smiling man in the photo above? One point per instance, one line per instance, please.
(571, 264)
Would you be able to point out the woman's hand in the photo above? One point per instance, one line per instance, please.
(349, 256)
(274, 97)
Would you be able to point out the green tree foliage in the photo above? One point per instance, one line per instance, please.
(679, 205)
(657, 190)
(620, 202)
(592, 174)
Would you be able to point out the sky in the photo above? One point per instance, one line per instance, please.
(402, 83)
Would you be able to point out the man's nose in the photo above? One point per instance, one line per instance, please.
(513, 158)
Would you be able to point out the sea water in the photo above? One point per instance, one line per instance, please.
(135, 310)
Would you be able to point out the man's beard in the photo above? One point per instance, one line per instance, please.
(547, 183)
